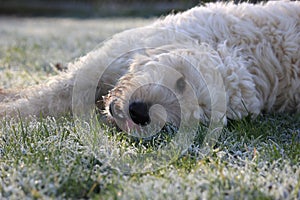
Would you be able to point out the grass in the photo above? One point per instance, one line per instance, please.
(45, 158)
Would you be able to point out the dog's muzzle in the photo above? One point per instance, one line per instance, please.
(138, 111)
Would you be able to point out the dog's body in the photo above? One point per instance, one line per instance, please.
(254, 48)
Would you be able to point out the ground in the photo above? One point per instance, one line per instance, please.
(45, 158)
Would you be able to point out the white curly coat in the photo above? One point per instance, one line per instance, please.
(255, 47)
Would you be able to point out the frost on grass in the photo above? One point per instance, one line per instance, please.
(40, 159)
(45, 158)
(215, 180)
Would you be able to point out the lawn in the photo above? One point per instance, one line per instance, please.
(47, 158)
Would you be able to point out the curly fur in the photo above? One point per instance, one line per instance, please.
(255, 48)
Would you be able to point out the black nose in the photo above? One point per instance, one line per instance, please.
(139, 113)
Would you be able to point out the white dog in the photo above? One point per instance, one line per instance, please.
(244, 56)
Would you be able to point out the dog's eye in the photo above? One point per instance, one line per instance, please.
(180, 85)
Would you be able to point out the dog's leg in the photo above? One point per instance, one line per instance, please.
(86, 81)
(51, 98)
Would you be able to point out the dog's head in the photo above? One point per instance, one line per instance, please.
(168, 88)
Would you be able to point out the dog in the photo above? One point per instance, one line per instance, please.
(221, 59)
